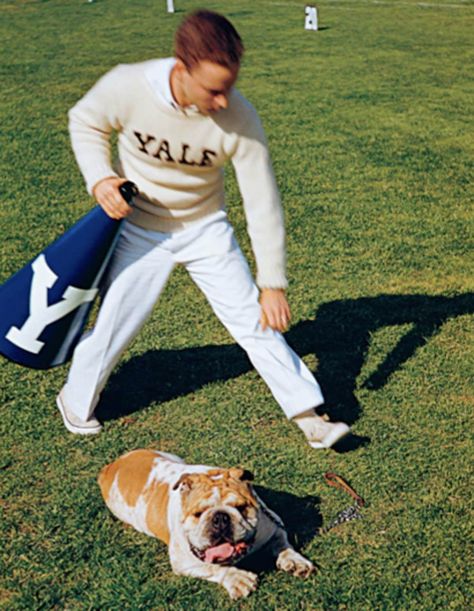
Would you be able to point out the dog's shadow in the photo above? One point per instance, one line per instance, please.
(301, 518)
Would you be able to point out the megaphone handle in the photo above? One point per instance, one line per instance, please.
(128, 190)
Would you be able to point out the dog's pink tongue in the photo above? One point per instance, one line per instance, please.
(220, 552)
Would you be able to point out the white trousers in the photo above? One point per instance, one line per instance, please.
(140, 267)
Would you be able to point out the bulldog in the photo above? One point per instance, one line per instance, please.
(210, 518)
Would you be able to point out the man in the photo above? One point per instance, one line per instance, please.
(178, 121)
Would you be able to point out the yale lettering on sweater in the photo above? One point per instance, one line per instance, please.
(160, 149)
(42, 314)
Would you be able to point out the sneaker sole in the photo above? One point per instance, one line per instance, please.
(71, 427)
(338, 433)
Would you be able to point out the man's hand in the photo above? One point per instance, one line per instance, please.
(275, 309)
(107, 195)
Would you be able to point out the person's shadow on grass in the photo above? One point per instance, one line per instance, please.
(339, 337)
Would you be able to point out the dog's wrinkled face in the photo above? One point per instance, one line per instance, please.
(220, 514)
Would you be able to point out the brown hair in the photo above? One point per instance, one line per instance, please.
(205, 35)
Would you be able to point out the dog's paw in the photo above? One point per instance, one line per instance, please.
(239, 583)
(291, 562)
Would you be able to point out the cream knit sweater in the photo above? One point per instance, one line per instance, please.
(176, 157)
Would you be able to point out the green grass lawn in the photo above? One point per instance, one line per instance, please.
(370, 127)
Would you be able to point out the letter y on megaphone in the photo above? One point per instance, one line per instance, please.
(44, 307)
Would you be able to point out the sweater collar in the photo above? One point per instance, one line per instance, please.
(158, 73)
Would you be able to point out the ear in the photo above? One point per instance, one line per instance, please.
(184, 482)
(242, 474)
(180, 66)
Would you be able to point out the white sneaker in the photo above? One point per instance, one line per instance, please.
(319, 432)
(73, 423)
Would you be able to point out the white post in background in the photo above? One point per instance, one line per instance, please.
(311, 20)
(170, 5)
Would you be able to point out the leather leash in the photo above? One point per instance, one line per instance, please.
(348, 514)
(339, 482)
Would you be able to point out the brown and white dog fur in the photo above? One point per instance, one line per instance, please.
(209, 517)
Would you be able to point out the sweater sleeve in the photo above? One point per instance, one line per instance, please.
(262, 204)
(91, 122)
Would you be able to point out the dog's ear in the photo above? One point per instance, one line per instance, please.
(184, 482)
(242, 474)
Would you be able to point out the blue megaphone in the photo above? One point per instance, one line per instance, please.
(44, 307)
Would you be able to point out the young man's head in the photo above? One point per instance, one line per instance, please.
(208, 51)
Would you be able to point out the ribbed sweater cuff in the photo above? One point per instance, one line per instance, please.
(93, 175)
(276, 279)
